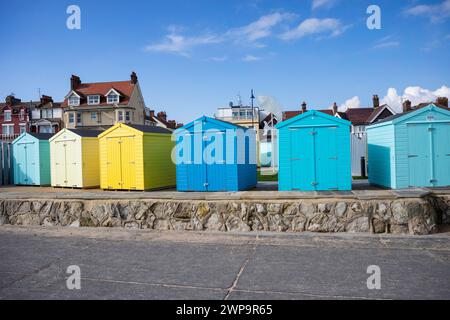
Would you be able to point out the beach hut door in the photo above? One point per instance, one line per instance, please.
(428, 154)
(121, 163)
(25, 162)
(214, 157)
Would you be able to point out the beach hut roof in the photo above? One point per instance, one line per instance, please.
(220, 123)
(312, 113)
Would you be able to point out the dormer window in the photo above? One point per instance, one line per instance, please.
(94, 99)
(112, 98)
(74, 101)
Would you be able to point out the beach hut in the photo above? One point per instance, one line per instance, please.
(411, 149)
(74, 158)
(31, 159)
(214, 155)
(136, 157)
(314, 153)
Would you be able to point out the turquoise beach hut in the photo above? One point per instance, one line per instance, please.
(31, 159)
(314, 153)
(214, 155)
(410, 149)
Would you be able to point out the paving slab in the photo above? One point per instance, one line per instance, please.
(138, 264)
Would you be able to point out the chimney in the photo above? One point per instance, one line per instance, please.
(74, 82)
(172, 124)
(11, 100)
(152, 113)
(162, 115)
(335, 109)
(133, 78)
(303, 107)
(376, 101)
(407, 106)
(46, 99)
(443, 101)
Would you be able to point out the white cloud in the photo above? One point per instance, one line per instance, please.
(435, 12)
(387, 44)
(218, 59)
(351, 103)
(251, 58)
(323, 3)
(179, 44)
(331, 27)
(261, 28)
(414, 94)
(176, 42)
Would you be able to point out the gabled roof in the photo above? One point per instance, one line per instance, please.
(312, 113)
(359, 116)
(406, 115)
(41, 136)
(149, 129)
(125, 88)
(220, 123)
(141, 128)
(86, 133)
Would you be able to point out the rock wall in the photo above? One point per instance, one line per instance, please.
(399, 216)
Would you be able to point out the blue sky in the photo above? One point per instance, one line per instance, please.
(194, 56)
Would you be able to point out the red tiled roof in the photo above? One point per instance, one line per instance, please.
(359, 116)
(290, 114)
(125, 88)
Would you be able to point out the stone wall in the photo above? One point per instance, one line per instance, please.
(399, 216)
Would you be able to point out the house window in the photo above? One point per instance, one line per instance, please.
(127, 116)
(47, 113)
(22, 115)
(113, 98)
(23, 128)
(94, 99)
(7, 130)
(93, 116)
(120, 116)
(8, 115)
(71, 118)
(74, 101)
(79, 118)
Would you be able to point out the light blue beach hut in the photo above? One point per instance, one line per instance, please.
(411, 149)
(314, 153)
(214, 155)
(31, 159)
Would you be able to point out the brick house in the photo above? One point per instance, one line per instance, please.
(160, 120)
(46, 116)
(100, 105)
(14, 117)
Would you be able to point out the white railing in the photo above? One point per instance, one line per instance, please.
(8, 137)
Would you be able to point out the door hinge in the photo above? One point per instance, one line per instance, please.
(412, 155)
(295, 159)
(333, 158)
(313, 133)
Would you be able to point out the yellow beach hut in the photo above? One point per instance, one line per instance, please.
(136, 157)
(74, 158)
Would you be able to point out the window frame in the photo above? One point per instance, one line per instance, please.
(9, 113)
(96, 96)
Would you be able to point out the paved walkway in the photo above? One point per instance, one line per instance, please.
(125, 264)
(264, 191)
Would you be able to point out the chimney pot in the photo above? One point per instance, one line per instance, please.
(407, 106)
(443, 101)
(162, 115)
(376, 101)
(133, 77)
(335, 108)
(75, 81)
(303, 107)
